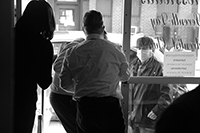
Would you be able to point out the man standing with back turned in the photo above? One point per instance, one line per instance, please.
(96, 66)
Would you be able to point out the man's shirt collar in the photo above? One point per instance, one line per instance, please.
(94, 36)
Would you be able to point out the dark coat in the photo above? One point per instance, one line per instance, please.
(33, 58)
(33, 64)
(183, 115)
(149, 97)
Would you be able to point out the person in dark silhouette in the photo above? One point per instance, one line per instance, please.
(33, 61)
(182, 116)
(95, 68)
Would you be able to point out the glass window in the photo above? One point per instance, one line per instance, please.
(173, 28)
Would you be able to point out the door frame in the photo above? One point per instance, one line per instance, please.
(126, 47)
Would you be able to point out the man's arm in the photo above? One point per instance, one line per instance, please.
(66, 78)
(124, 73)
(164, 101)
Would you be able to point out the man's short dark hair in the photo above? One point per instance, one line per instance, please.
(93, 21)
(145, 43)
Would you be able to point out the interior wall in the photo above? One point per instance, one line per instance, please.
(6, 58)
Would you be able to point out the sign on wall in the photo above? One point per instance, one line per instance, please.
(179, 64)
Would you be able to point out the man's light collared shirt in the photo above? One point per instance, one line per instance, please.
(55, 86)
(96, 66)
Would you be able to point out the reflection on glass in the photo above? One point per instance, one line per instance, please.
(148, 103)
(174, 25)
(174, 28)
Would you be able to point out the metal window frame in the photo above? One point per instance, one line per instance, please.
(150, 79)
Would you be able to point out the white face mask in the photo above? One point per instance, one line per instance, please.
(143, 55)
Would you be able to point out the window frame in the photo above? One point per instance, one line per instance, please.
(144, 79)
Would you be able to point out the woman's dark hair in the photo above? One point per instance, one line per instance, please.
(38, 17)
(93, 22)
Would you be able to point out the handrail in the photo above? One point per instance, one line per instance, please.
(164, 80)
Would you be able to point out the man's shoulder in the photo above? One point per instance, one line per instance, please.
(188, 102)
(182, 115)
(116, 46)
(189, 98)
(156, 62)
(112, 43)
(78, 40)
(74, 44)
